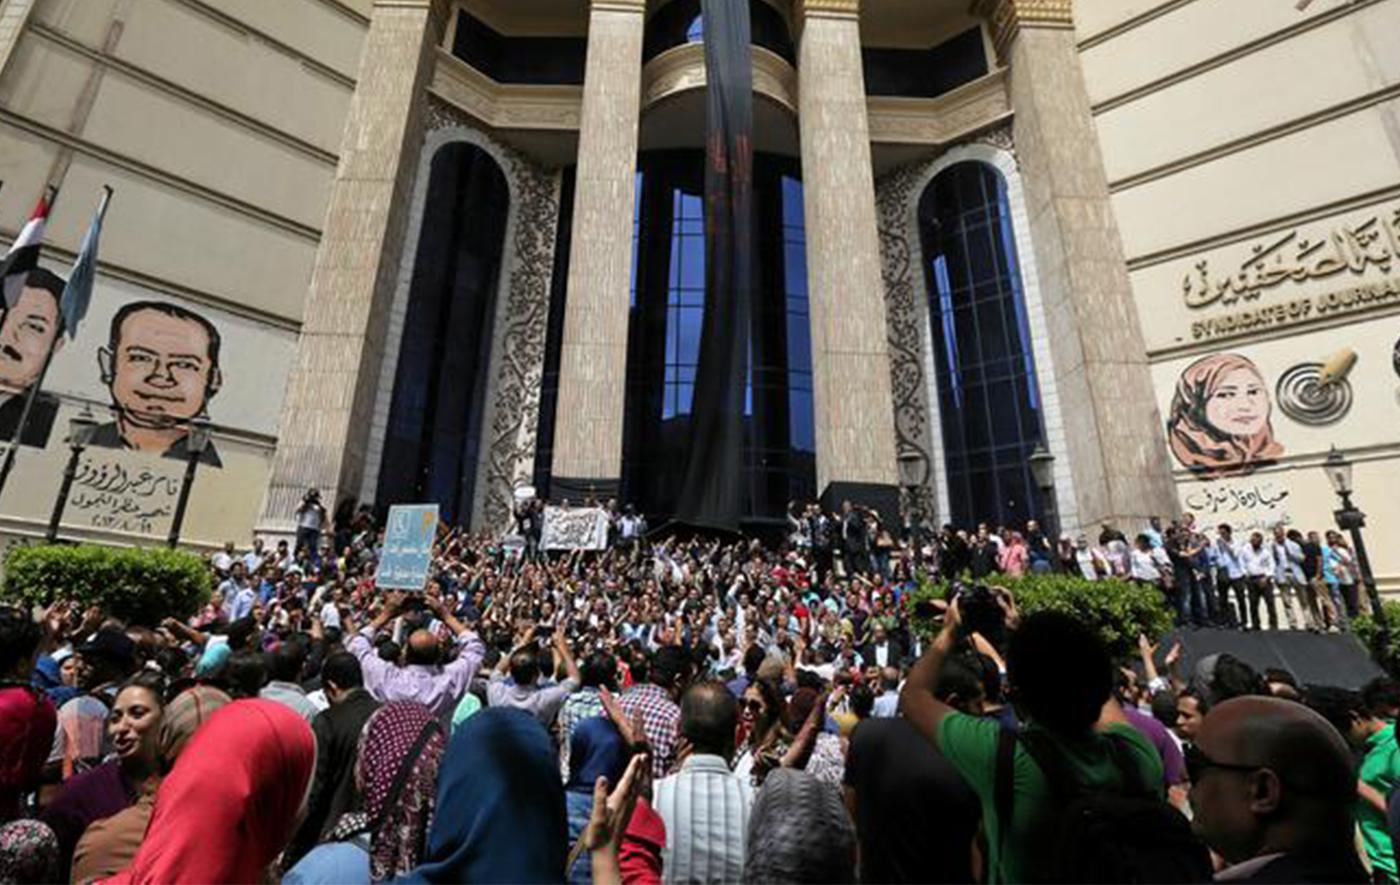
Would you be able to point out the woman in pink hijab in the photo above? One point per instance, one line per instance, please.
(1220, 416)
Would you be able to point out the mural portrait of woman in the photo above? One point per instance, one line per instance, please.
(1220, 413)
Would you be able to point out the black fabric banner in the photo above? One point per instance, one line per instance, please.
(712, 493)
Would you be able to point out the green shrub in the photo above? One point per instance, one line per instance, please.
(1119, 610)
(1367, 629)
(141, 585)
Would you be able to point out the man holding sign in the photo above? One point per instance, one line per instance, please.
(421, 675)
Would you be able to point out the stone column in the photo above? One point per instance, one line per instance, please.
(593, 354)
(330, 392)
(1113, 430)
(850, 359)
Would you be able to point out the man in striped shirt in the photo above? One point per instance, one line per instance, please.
(704, 804)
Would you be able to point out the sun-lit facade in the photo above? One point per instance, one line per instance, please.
(452, 248)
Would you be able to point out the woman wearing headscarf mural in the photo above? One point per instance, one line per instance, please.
(1219, 420)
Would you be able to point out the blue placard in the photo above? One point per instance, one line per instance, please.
(408, 547)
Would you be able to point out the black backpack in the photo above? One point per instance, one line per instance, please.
(1130, 835)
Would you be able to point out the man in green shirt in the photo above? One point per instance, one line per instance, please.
(1062, 678)
(1380, 767)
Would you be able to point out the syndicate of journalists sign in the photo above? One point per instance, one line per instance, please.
(1293, 258)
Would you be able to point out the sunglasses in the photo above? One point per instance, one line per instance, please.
(753, 706)
(1198, 763)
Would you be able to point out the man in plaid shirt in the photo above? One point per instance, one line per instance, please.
(599, 670)
(653, 699)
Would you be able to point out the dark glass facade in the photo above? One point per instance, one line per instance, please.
(990, 405)
(667, 313)
(433, 444)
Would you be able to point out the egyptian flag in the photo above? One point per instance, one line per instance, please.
(24, 252)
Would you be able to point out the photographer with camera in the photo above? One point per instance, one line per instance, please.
(311, 519)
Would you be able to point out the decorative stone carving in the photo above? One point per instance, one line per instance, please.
(1006, 17)
(517, 353)
(1000, 137)
(904, 284)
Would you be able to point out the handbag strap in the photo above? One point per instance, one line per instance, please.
(432, 727)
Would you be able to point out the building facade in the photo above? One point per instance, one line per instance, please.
(452, 248)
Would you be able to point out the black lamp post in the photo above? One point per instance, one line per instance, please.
(1351, 520)
(1042, 465)
(81, 427)
(196, 441)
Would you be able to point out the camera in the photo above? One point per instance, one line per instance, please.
(980, 611)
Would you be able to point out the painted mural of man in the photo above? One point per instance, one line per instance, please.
(161, 365)
(27, 331)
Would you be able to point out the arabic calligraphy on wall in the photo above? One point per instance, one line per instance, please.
(110, 494)
(1295, 258)
(1216, 499)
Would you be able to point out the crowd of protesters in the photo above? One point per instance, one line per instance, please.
(692, 711)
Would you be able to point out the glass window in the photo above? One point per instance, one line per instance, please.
(989, 403)
(667, 323)
(695, 31)
(433, 442)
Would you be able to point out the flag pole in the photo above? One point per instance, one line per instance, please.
(29, 397)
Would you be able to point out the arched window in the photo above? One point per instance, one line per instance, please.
(433, 444)
(695, 31)
(989, 403)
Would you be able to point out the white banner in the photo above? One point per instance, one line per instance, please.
(574, 528)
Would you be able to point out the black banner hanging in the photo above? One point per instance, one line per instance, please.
(712, 494)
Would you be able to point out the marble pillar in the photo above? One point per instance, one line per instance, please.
(850, 360)
(330, 393)
(593, 355)
(1114, 432)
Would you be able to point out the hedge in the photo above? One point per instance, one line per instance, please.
(1119, 610)
(1368, 631)
(140, 585)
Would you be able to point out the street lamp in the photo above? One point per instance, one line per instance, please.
(1351, 520)
(196, 441)
(81, 428)
(1042, 465)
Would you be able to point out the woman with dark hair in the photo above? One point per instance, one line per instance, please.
(763, 738)
(110, 844)
(133, 729)
(231, 803)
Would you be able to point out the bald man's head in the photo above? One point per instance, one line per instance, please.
(1270, 775)
(422, 647)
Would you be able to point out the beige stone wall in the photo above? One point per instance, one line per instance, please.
(1253, 157)
(218, 125)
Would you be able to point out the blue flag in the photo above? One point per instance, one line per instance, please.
(78, 293)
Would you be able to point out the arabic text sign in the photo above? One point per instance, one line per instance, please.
(575, 528)
(408, 547)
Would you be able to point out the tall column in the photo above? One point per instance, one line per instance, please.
(850, 359)
(1113, 430)
(330, 393)
(593, 353)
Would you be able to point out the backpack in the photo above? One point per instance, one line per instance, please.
(1130, 835)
